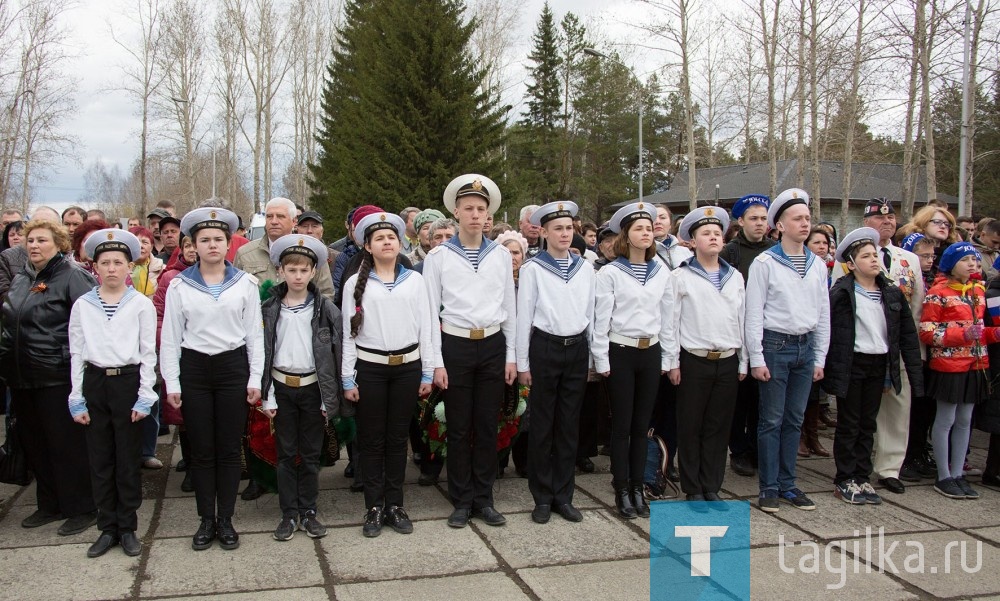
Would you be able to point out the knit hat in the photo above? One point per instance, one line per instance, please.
(956, 252)
(516, 237)
(359, 214)
(426, 216)
(579, 244)
(910, 241)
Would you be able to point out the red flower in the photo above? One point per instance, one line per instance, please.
(39, 287)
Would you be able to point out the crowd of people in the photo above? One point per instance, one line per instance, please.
(722, 334)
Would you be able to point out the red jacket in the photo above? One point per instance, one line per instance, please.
(948, 311)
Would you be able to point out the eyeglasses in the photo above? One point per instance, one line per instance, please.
(927, 256)
(941, 223)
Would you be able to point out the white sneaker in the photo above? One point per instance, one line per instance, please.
(152, 463)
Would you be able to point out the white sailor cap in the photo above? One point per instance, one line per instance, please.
(629, 213)
(209, 217)
(299, 244)
(475, 185)
(788, 198)
(554, 210)
(369, 224)
(855, 239)
(702, 216)
(112, 239)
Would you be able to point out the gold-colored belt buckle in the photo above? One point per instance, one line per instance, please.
(112, 371)
(713, 355)
(643, 343)
(477, 334)
(396, 359)
(292, 381)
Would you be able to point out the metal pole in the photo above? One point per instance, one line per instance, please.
(213, 169)
(963, 155)
(640, 143)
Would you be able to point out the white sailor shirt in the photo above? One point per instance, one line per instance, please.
(471, 297)
(128, 337)
(194, 319)
(553, 301)
(626, 306)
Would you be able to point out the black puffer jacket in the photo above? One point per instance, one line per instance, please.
(988, 412)
(34, 349)
(740, 252)
(327, 330)
(901, 331)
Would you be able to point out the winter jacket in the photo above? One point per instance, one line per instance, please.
(949, 308)
(12, 261)
(34, 349)
(902, 337)
(988, 412)
(175, 265)
(327, 347)
(740, 252)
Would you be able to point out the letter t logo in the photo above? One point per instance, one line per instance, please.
(701, 545)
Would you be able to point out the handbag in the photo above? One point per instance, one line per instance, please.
(656, 485)
(13, 463)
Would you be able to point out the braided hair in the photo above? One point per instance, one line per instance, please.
(359, 290)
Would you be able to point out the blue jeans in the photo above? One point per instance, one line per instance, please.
(783, 400)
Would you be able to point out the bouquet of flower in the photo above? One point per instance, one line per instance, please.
(434, 423)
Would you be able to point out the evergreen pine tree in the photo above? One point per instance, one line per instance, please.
(404, 110)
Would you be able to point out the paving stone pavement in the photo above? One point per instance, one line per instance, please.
(601, 558)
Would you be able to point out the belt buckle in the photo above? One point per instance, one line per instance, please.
(112, 371)
(292, 381)
(477, 334)
(396, 359)
(713, 355)
(570, 341)
(643, 343)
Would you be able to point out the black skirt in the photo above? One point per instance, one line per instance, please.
(963, 387)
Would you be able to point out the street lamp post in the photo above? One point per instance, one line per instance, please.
(597, 54)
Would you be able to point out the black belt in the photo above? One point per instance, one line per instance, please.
(113, 371)
(788, 337)
(563, 340)
(401, 351)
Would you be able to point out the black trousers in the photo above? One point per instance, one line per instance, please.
(708, 389)
(743, 434)
(113, 445)
(856, 413)
(922, 412)
(558, 380)
(993, 457)
(472, 410)
(56, 449)
(388, 395)
(632, 386)
(590, 419)
(214, 395)
(298, 433)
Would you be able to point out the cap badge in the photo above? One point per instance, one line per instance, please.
(709, 212)
(212, 215)
(560, 207)
(111, 235)
(795, 194)
(640, 206)
(382, 217)
(477, 184)
(884, 209)
(301, 242)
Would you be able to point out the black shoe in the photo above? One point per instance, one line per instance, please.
(357, 486)
(205, 535)
(892, 485)
(312, 526)
(623, 502)
(767, 500)
(741, 465)
(252, 491)
(990, 480)
(77, 524)
(228, 538)
(541, 514)
(285, 530)
(459, 518)
(104, 542)
(715, 501)
(925, 467)
(639, 501)
(970, 493)
(187, 485)
(489, 516)
(130, 543)
(569, 513)
(40, 518)
(696, 497)
(672, 474)
(586, 465)
(908, 473)
(182, 465)
(373, 522)
(700, 506)
(798, 499)
(349, 470)
(711, 496)
(427, 479)
(949, 488)
(396, 518)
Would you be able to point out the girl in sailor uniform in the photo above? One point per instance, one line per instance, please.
(387, 358)
(212, 361)
(113, 371)
(632, 330)
(708, 358)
